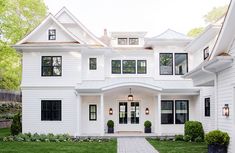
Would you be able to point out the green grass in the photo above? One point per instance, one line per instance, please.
(178, 146)
(4, 132)
(53, 147)
(60, 147)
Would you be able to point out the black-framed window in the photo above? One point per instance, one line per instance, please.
(92, 112)
(92, 63)
(167, 112)
(141, 66)
(133, 41)
(135, 112)
(129, 66)
(206, 52)
(207, 107)
(123, 113)
(122, 41)
(51, 110)
(181, 63)
(51, 66)
(181, 111)
(116, 66)
(51, 34)
(166, 63)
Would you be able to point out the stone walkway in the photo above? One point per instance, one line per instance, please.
(135, 145)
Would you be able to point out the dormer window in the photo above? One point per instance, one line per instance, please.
(51, 34)
(206, 52)
(122, 41)
(133, 41)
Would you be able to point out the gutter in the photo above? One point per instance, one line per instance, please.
(215, 93)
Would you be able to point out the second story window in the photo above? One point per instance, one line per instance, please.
(51, 66)
(116, 66)
(122, 41)
(181, 63)
(141, 67)
(51, 34)
(92, 63)
(133, 41)
(206, 52)
(207, 106)
(128, 66)
(166, 63)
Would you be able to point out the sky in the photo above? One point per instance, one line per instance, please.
(152, 16)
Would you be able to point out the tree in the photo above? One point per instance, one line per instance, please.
(195, 32)
(215, 14)
(17, 19)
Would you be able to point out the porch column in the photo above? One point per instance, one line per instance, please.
(102, 114)
(159, 114)
(78, 116)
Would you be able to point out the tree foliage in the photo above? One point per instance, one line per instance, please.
(17, 19)
(195, 32)
(215, 14)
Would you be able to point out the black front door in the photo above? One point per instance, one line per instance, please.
(123, 113)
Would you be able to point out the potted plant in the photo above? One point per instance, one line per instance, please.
(147, 126)
(110, 125)
(217, 141)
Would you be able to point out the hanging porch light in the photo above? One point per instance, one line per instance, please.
(130, 96)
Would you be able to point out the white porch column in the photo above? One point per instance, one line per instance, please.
(159, 114)
(78, 116)
(102, 115)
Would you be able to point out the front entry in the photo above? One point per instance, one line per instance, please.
(129, 116)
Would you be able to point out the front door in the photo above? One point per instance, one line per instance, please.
(129, 116)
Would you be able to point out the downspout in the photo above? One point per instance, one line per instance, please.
(215, 93)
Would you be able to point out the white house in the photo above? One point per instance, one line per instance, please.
(74, 82)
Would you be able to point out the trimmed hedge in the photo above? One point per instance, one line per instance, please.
(193, 130)
(147, 124)
(217, 137)
(110, 124)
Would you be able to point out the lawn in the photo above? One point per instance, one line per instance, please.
(178, 146)
(53, 147)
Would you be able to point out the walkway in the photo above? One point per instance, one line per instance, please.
(134, 145)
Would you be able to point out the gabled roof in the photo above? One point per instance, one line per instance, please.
(171, 34)
(65, 10)
(45, 21)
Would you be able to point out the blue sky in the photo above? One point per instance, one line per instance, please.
(152, 16)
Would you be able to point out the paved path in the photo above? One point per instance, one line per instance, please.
(135, 145)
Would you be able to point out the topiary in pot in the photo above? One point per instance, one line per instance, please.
(110, 125)
(16, 126)
(217, 141)
(147, 126)
(193, 129)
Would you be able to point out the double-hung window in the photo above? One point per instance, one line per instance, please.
(51, 110)
(181, 63)
(129, 66)
(51, 66)
(141, 67)
(167, 112)
(166, 63)
(92, 112)
(92, 63)
(116, 66)
(51, 34)
(207, 107)
(181, 111)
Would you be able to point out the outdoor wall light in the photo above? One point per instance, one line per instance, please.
(130, 96)
(147, 111)
(110, 111)
(226, 110)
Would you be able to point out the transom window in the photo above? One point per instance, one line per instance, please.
(181, 63)
(51, 34)
(133, 41)
(92, 112)
(207, 106)
(51, 65)
(167, 112)
(51, 110)
(92, 63)
(166, 63)
(122, 41)
(206, 52)
(181, 111)
(128, 66)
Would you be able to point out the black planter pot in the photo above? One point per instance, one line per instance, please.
(110, 130)
(147, 130)
(216, 148)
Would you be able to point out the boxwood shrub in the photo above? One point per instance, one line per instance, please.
(194, 130)
(217, 137)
